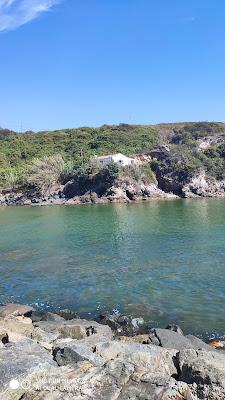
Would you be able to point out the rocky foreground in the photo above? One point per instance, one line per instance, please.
(59, 357)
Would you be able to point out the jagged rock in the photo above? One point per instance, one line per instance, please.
(20, 325)
(15, 309)
(88, 363)
(174, 328)
(198, 344)
(79, 329)
(44, 338)
(173, 340)
(121, 324)
(72, 352)
(148, 359)
(18, 360)
(68, 314)
(175, 391)
(206, 369)
(137, 322)
(141, 339)
(37, 316)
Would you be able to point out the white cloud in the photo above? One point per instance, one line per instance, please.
(14, 13)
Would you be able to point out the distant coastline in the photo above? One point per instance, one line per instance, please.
(185, 160)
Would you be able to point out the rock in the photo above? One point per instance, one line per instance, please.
(142, 339)
(80, 329)
(137, 322)
(148, 359)
(73, 331)
(19, 325)
(45, 339)
(37, 316)
(107, 319)
(121, 324)
(198, 344)
(174, 328)
(18, 360)
(206, 370)
(4, 337)
(174, 390)
(72, 352)
(68, 314)
(15, 309)
(173, 340)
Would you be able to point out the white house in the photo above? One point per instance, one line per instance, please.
(116, 158)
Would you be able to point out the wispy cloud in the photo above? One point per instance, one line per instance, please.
(14, 13)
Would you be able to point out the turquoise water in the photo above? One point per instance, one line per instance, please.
(164, 260)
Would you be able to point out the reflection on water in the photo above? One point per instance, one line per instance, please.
(162, 259)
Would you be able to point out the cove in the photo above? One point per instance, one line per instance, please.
(163, 260)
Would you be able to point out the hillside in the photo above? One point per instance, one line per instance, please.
(176, 152)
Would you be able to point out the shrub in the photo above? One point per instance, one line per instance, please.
(43, 173)
(141, 172)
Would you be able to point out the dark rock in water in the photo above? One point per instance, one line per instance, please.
(121, 324)
(108, 319)
(37, 316)
(123, 320)
(68, 314)
(174, 328)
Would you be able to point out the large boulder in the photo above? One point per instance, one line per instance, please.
(71, 352)
(148, 360)
(206, 370)
(15, 309)
(80, 329)
(17, 361)
(174, 340)
(17, 325)
(37, 316)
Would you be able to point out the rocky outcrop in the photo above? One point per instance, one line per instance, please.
(202, 185)
(79, 359)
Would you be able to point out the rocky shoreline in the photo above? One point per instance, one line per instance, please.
(45, 355)
(198, 187)
(58, 197)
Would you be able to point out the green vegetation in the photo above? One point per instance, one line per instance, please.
(43, 173)
(76, 146)
(41, 159)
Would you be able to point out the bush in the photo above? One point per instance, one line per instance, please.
(138, 172)
(43, 173)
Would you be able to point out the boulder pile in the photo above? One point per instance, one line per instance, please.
(61, 357)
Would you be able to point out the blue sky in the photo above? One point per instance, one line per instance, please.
(76, 63)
